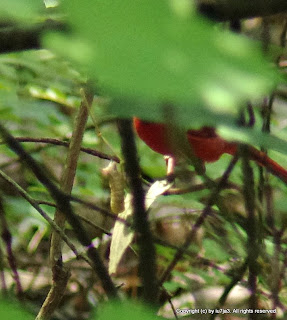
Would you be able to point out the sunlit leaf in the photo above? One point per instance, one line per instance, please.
(150, 51)
(21, 10)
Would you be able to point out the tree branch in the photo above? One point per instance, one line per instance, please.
(222, 10)
(14, 37)
(147, 257)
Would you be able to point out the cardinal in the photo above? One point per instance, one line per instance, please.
(205, 143)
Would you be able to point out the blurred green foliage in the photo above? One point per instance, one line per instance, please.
(163, 52)
(125, 310)
(142, 55)
(9, 310)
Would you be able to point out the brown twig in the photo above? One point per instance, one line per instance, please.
(275, 269)
(105, 212)
(2, 274)
(66, 144)
(63, 202)
(198, 187)
(67, 179)
(235, 279)
(36, 206)
(60, 272)
(251, 228)
(200, 220)
(240, 9)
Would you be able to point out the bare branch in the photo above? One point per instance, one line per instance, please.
(222, 10)
(147, 262)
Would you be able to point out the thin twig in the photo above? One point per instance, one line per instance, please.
(275, 269)
(172, 308)
(67, 179)
(235, 279)
(63, 202)
(198, 187)
(251, 228)
(105, 212)
(4, 290)
(36, 206)
(97, 128)
(61, 273)
(207, 210)
(91, 206)
(66, 144)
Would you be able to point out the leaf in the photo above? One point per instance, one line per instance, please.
(145, 50)
(9, 310)
(123, 235)
(158, 188)
(121, 238)
(253, 137)
(21, 10)
(125, 310)
(214, 251)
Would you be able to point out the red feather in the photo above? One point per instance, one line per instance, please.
(206, 145)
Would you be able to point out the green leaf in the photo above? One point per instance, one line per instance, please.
(21, 10)
(253, 137)
(9, 310)
(147, 50)
(214, 251)
(125, 310)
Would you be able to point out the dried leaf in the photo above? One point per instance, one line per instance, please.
(122, 234)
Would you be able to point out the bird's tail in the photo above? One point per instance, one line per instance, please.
(273, 167)
(262, 159)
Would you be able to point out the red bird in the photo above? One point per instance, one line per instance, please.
(205, 143)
